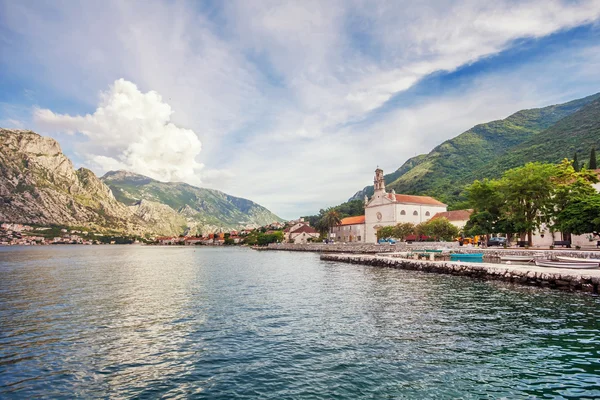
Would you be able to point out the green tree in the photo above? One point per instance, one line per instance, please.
(569, 186)
(527, 192)
(385, 232)
(593, 160)
(331, 218)
(403, 229)
(582, 215)
(576, 166)
(487, 202)
(441, 229)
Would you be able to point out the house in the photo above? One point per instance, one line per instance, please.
(166, 240)
(302, 234)
(458, 218)
(191, 241)
(351, 229)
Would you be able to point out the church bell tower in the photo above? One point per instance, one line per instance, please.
(379, 182)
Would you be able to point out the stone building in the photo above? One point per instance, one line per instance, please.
(351, 229)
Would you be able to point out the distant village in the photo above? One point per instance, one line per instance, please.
(297, 231)
(25, 235)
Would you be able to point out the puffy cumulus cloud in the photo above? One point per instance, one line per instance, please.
(132, 130)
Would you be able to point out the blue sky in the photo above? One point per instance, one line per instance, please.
(289, 103)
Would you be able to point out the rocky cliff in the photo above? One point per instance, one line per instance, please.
(38, 185)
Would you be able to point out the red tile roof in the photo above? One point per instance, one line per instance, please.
(304, 229)
(407, 198)
(456, 215)
(353, 220)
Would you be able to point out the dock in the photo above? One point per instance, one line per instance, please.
(556, 278)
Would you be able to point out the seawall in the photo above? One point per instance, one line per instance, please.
(557, 278)
(362, 248)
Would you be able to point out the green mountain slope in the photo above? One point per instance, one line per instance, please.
(204, 209)
(579, 132)
(447, 168)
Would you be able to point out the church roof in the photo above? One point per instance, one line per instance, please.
(408, 198)
(353, 220)
(456, 215)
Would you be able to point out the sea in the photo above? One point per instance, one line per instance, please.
(233, 323)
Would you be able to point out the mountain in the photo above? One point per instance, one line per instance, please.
(579, 132)
(485, 150)
(38, 185)
(201, 208)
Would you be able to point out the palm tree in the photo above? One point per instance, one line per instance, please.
(332, 218)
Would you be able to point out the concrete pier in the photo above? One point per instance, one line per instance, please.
(586, 280)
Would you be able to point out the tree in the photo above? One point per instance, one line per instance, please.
(440, 229)
(576, 166)
(526, 193)
(385, 232)
(569, 185)
(331, 218)
(404, 229)
(582, 215)
(480, 223)
(592, 163)
(486, 200)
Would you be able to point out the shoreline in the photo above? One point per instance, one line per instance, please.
(587, 281)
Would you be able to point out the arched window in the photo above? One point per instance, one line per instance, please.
(415, 213)
(427, 214)
(402, 212)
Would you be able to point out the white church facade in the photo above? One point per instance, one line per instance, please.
(389, 209)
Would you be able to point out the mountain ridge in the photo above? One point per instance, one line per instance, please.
(39, 185)
(443, 171)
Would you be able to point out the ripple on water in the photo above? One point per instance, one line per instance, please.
(125, 321)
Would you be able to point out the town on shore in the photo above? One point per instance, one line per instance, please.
(563, 211)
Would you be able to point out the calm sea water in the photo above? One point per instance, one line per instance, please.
(147, 322)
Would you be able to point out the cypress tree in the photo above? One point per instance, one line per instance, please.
(592, 163)
(576, 163)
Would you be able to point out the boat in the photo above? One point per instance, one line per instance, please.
(563, 264)
(579, 260)
(518, 258)
(474, 257)
(433, 251)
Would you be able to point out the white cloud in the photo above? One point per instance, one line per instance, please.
(132, 130)
(282, 94)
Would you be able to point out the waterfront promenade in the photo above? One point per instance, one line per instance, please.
(557, 278)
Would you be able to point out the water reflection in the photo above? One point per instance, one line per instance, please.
(221, 323)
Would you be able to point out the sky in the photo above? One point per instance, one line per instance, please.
(291, 104)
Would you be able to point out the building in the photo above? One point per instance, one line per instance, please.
(389, 209)
(302, 234)
(351, 229)
(458, 218)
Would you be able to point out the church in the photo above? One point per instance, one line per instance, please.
(385, 209)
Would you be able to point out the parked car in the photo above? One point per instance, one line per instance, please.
(386, 240)
(496, 241)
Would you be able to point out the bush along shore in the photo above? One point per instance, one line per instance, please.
(556, 278)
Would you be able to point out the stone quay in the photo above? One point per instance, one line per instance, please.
(555, 278)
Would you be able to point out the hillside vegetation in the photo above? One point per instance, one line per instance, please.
(487, 150)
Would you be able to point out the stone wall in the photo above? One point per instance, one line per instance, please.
(363, 248)
(557, 278)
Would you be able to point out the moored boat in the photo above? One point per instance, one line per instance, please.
(473, 257)
(564, 264)
(518, 258)
(579, 260)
